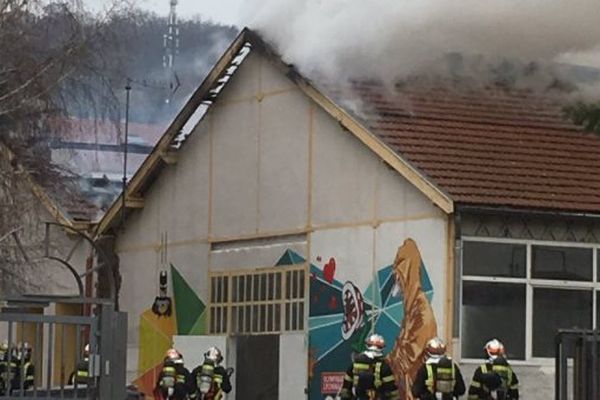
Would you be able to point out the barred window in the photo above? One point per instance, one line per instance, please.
(262, 301)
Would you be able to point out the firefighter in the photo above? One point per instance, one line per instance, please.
(495, 379)
(26, 370)
(211, 380)
(9, 369)
(173, 378)
(81, 376)
(370, 377)
(439, 378)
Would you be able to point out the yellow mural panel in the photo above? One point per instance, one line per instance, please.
(153, 342)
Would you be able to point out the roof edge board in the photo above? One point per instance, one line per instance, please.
(485, 209)
(155, 157)
(403, 167)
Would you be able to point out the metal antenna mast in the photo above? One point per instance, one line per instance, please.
(171, 45)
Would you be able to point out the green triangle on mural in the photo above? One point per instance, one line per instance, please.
(290, 258)
(188, 306)
(199, 327)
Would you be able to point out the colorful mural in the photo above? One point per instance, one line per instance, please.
(395, 304)
(156, 332)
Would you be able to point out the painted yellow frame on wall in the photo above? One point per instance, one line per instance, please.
(260, 301)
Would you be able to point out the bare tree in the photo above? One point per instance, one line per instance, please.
(50, 59)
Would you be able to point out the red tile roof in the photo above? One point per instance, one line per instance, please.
(487, 146)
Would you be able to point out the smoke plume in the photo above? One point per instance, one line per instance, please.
(392, 39)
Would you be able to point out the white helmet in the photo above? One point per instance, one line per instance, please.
(494, 349)
(435, 348)
(214, 354)
(375, 343)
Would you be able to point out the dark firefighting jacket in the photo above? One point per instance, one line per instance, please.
(175, 376)
(442, 376)
(495, 376)
(369, 378)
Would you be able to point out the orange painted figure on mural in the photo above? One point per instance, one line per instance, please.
(418, 325)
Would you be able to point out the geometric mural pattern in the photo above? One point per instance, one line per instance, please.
(156, 333)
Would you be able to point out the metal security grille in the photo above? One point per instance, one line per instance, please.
(264, 301)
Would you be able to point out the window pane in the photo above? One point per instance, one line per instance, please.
(487, 309)
(494, 259)
(565, 263)
(555, 309)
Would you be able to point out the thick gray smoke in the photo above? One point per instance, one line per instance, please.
(391, 39)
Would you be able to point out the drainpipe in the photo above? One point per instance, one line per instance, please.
(457, 285)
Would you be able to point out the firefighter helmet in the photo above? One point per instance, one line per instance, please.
(375, 343)
(494, 349)
(174, 355)
(435, 348)
(214, 354)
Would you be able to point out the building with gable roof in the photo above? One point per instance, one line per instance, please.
(294, 222)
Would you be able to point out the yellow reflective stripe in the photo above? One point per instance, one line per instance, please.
(388, 379)
(347, 378)
(378, 375)
(429, 380)
(361, 366)
(169, 369)
(476, 384)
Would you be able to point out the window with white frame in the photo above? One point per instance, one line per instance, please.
(523, 291)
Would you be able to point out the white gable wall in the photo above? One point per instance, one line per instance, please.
(268, 162)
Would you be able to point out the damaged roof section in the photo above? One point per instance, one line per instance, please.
(489, 146)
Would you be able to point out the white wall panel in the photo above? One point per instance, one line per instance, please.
(235, 169)
(397, 198)
(187, 215)
(352, 249)
(284, 137)
(292, 370)
(344, 175)
(272, 80)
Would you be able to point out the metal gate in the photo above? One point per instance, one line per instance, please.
(58, 342)
(583, 347)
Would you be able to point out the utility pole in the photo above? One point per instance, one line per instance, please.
(171, 47)
(125, 146)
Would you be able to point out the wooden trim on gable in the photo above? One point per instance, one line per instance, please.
(392, 158)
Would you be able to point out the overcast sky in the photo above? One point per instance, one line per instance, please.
(225, 11)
